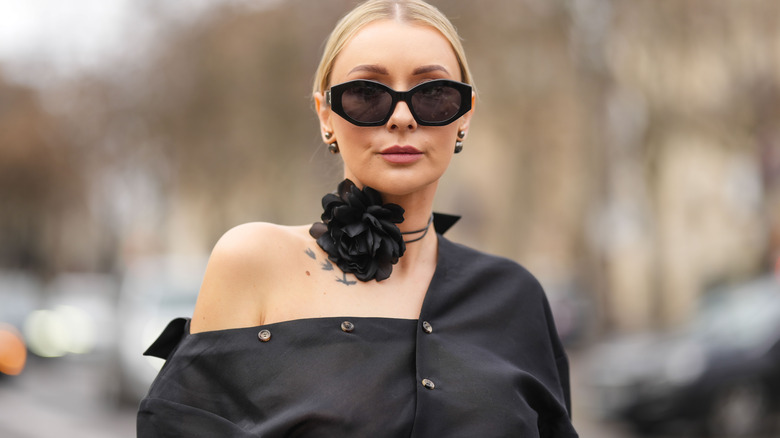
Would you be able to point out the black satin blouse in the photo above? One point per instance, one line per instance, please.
(483, 360)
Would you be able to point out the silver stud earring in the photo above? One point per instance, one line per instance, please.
(459, 142)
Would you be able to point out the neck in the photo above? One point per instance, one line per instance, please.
(418, 211)
(418, 208)
(417, 235)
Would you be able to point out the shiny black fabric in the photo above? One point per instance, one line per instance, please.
(485, 342)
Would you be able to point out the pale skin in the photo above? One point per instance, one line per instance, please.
(261, 273)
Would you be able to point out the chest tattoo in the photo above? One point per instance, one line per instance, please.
(328, 266)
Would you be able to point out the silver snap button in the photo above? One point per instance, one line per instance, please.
(347, 326)
(428, 384)
(264, 335)
(427, 328)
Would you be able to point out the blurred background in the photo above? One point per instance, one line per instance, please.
(627, 153)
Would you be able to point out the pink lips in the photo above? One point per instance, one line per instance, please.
(401, 154)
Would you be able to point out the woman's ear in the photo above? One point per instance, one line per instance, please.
(463, 126)
(323, 113)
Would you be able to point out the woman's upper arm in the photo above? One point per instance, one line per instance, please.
(233, 285)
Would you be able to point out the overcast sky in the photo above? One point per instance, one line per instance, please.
(63, 34)
(68, 36)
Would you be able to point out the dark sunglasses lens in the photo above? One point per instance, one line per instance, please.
(436, 103)
(366, 103)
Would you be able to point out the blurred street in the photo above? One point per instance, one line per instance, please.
(62, 398)
(586, 425)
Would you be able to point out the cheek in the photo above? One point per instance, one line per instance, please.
(445, 141)
(351, 135)
(355, 145)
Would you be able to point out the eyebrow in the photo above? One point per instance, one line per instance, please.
(370, 68)
(378, 69)
(429, 68)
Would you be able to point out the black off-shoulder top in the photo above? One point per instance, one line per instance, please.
(483, 360)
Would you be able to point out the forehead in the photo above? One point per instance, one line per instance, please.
(399, 48)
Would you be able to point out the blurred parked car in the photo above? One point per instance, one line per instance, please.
(153, 292)
(720, 374)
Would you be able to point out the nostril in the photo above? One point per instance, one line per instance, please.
(395, 126)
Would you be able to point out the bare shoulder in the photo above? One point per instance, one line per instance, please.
(255, 241)
(244, 264)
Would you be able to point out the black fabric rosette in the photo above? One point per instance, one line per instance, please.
(359, 233)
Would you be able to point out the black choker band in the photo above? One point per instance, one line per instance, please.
(421, 230)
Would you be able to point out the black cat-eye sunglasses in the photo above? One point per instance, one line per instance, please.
(369, 103)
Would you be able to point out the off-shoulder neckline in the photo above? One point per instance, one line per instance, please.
(439, 275)
(319, 320)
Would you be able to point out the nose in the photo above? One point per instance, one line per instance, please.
(402, 117)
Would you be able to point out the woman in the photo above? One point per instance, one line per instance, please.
(367, 324)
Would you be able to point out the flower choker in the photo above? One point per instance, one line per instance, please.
(360, 234)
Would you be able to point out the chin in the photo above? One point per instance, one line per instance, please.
(401, 186)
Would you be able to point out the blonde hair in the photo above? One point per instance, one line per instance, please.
(405, 11)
